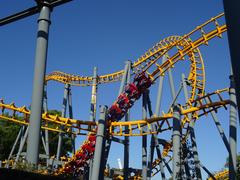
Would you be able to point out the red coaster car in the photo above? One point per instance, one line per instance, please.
(132, 91)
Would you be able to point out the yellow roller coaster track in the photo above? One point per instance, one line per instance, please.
(176, 48)
(221, 175)
(12, 113)
(20, 115)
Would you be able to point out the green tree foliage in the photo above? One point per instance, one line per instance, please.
(9, 132)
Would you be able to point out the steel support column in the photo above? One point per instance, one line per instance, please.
(232, 16)
(64, 110)
(192, 134)
(26, 134)
(14, 145)
(126, 138)
(233, 131)
(38, 85)
(108, 142)
(93, 108)
(94, 96)
(144, 138)
(176, 139)
(70, 111)
(219, 127)
(45, 109)
(154, 139)
(97, 172)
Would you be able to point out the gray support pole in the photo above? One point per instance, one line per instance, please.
(232, 16)
(207, 171)
(126, 138)
(21, 147)
(233, 131)
(154, 139)
(43, 142)
(144, 138)
(94, 96)
(123, 82)
(14, 145)
(192, 134)
(38, 85)
(176, 139)
(45, 109)
(185, 160)
(97, 171)
(124, 77)
(64, 108)
(219, 127)
(170, 78)
(93, 108)
(70, 111)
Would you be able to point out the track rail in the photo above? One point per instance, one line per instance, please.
(221, 175)
(20, 115)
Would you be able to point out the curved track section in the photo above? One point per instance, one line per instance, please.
(179, 49)
(146, 69)
(21, 115)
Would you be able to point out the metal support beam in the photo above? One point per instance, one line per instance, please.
(14, 145)
(45, 109)
(154, 139)
(38, 85)
(94, 96)
(233, 131)
(31, 11)
(192, 133)
(70, 111)
(97, 171)
(144, 138)
(232, 16)
(208, 172)
(108, 142)
(21, 147)
(185, 160)
(219, 127)
(64, 110)
(126, 138)
(176, 139)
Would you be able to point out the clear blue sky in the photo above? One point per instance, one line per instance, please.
(84, 34)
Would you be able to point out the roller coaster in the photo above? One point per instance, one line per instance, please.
(137, 79)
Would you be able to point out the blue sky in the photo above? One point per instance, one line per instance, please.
(84, 34)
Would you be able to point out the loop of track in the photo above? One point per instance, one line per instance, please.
(175, 48)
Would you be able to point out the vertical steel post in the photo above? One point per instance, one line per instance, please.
(154, 139)
(38, 85)
(219, 127)
(126, 138)
(21, 146)
(192, 134)
(93, 108)
(97, 171)
(232, 16)
(70, 111)
(233, 131)
(45, 109)
(108, 143)
(14, 145)
(94, 96)
(64, 108)
(170, 78)
(176, 138)
(144, 138)
(185, 160)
